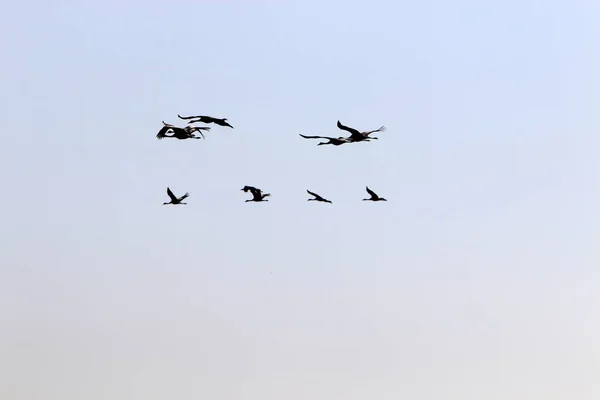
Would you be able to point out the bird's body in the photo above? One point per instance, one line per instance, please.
(331, 140)
(174, 199)
(317, 197)
(180, 133)
(257, 194)
(356, 136)
(374, 196)
(207, 120)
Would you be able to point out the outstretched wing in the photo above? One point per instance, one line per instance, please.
(316, 195)
(250, 188)
(381, 129)
(203, 118)
(192, 117)
(372, 193)
(171, 195)
(184, 196)
(198, 120)
(163, 131)
(316, 137)
(348, 129)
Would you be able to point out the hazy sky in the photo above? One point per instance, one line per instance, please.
(478, 279)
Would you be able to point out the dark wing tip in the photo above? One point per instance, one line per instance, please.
(170, 193)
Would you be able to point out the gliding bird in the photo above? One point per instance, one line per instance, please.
(334, 141)
(317, 197)
(207, 120)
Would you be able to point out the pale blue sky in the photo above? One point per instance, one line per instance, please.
(478, 279)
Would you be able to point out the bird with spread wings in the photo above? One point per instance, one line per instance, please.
(174, 199)
(317, 197)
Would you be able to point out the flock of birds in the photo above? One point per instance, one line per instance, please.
(189, 132)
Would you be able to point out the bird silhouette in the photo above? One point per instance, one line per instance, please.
(317, 197)
(257, 194)
(374, 196)
(175, 200)
(331, 140)
(207, 120)
(356, 136)
(180, 133)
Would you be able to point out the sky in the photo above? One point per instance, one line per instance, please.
(477, 279)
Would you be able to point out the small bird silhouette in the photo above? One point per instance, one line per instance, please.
(374, 196)
(207, 120)
(331, 140)
(175, 200)
(180, 133)
(356, 136)
(257, 194)
(317, 197)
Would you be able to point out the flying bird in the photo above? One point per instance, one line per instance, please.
(317, 197)
(180, 133)
(334, 141)
(374, 196)
(207, 120)
(175, 200)
(356, 136)
(257, 194)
